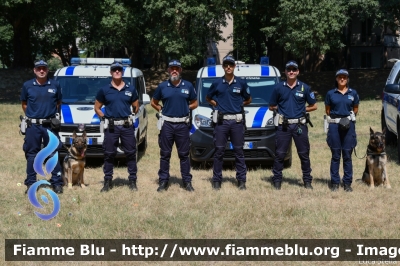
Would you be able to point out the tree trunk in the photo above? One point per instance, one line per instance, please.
(21, 41)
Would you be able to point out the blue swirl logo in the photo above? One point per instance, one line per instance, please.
(50, 165)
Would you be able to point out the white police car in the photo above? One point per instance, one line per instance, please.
(259, 144)
(390, 116)
(80, 83)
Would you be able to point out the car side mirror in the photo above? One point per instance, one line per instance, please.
(392, 88)
(146, 99)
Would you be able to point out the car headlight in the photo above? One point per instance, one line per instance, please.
(202, 121)
(270, 122)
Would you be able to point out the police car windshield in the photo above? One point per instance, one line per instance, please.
(260, 89)
(83, 90)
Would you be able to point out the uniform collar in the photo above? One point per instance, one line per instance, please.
(285, 83)
(348, 90)
(224, 81)
(37, 84)
(125, 86)
(181, 83)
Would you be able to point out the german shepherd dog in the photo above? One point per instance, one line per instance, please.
(375, 172)
(74, 162)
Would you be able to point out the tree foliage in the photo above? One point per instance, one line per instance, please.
(164, 29)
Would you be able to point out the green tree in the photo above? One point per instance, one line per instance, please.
(6, 49)
(309, 25)
(181, 28)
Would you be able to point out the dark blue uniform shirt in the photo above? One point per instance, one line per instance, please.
(341, 104)
(175, 99)
(41, 99)
(291, 102)
(229, 97)
(117, 102)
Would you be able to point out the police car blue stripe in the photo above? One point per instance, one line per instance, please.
(212, 72)
(66, 114)
(69, 71)
(192, 129)
(96, 119)
(137, 122)
(258, 118)
(264, 70)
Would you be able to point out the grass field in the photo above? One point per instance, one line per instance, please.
(260, 212)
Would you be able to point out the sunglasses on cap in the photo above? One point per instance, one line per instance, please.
(292, 69)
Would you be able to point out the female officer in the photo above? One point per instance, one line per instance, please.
(341, 106)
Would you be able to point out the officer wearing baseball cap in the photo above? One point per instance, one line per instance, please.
(121, 102)
(41, 99)
(341, 106)
(179, 98)
(228, 95)
(288, 99)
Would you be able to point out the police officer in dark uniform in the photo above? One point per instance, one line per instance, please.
(178, 97)
(228, 95)
(118, 118)
(288, 99)
(41, 99)
(341, 106)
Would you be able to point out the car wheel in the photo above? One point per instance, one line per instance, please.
(194, 164)
(398, 142)
(143, 146)
(390, 137)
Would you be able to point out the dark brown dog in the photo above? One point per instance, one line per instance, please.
(375, 172)
(74, 162)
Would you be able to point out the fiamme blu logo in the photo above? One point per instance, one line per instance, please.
(50, 165)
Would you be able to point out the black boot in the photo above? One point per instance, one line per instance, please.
(216, 185)
(188, 186)
(132, 185)
(347, 188)
(334, 187)
(277, 185)
(107, 185)
(163, 186)
(242, 185)
(308, 185)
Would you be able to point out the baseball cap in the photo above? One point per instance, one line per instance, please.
(342, 72)
(228, 58)
(292, 63)
(115, 65)
(41, 63)
(174, 63)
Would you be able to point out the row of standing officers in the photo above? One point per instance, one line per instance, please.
(41, 98)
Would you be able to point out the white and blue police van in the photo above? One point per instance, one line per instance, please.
(390, 115)
(80, 83)
(259, 146)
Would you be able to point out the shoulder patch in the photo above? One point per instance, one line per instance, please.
(312, 95)
(248, 90)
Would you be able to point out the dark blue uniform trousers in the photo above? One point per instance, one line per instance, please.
(341, 143)
(178, 133)
(110, 145)
(282, 142)
(35, 135)
(234, 130)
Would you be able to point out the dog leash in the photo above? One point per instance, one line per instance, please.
(355, 153)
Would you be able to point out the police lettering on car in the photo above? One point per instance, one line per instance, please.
(118, 98)
(228, 95)
(341, 107)
(179, 98)
(41, 99)
(288, 100)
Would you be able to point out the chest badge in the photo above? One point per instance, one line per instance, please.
(128, 93)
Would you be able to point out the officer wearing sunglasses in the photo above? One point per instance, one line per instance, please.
(120, 100)
(288, 99)
(228, 95)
